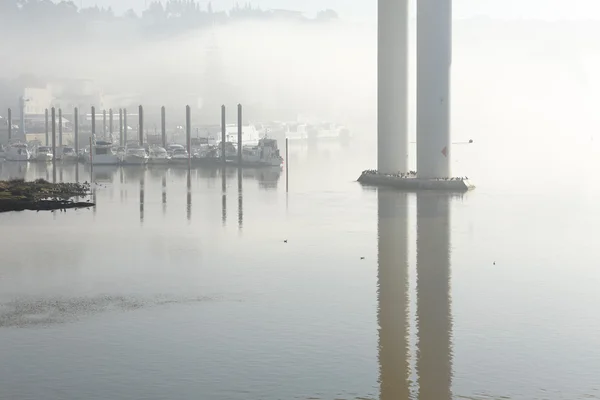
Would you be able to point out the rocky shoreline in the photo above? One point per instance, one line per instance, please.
(19, 195)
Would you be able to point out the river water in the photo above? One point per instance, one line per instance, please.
(181, 285)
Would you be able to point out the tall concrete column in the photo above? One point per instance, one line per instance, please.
(392, 295)
(434, 57)
(392, 86)
(434, 317)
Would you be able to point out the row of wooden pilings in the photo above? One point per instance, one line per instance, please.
(123, 127)
(51, 116)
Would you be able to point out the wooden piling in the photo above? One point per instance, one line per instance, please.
(76, 130)
(125, 127)
(141, 125)
(239, 135)
(188, 132)
(93, 120)
(110, 122)
(60, 129)
(223, 134)
(120, 127)
(53, 139)
(163, 126)
(47, 131)
(104, 123)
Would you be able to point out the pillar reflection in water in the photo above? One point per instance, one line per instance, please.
(224, 196)
(434, 348)
(240, 201)
(164, 194)
(189, 194)
(77, 172)
(392, 294)
(142, 197)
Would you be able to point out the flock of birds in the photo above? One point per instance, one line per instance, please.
(410, 174)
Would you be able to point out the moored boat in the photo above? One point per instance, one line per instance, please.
(158, 156)
(17, 152)
(102, 153)
(43, 154)
(68, 154)
(135, 156)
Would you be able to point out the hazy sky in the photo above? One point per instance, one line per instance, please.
(545, 9)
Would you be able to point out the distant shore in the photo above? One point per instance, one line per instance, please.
(19, 195)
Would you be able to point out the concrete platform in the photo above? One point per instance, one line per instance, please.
(413, 184)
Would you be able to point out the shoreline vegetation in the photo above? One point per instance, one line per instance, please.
(20, 195)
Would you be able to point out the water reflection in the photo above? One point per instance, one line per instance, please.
(434, 320)
(142, 184)
(224, 196)
(240, 201)
(393, 295)
(189, 194)
(164, 193)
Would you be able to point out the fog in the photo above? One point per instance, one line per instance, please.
(505, 73)
(326, 69)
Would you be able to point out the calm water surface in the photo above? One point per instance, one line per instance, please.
(179, 285)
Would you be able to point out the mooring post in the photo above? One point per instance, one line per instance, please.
(104, 123)
(125, 127)
(76, 130)
(163, 126)
(92, 162)
(223, 134)
(287, 166)
(120, 127)
(188, 132)
(47, 132)
(110, 122)
(239, 135)
(9, 124)
(60, 130)
(141, 125)
(93, 120)
(53, 137)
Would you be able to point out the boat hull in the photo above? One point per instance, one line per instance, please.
(158, 161)
(104, 160)
(135, 160)
(43, 158)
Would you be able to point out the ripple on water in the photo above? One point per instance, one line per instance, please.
(28, 312)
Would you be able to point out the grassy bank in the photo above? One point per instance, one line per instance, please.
(19, 195)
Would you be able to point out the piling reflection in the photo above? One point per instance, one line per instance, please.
(434, 319)
(189, 194)
(142, 184)
(393, 295)
(224, 196)
(164, 194)
(240, 201)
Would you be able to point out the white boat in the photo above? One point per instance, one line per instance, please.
(68, 154)
(17, 152)
(158, 156)
(179, 156)
(43, 154)
(102, 153)
(266, 154)
(172, 147)
(322, 130)
(250, 135)
(135, 156)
